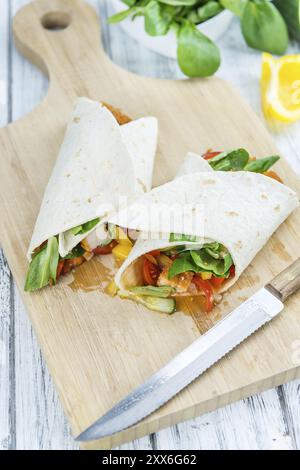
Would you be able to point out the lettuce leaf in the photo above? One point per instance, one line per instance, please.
(179, 237)
(207, 263)
(237, 160)
(212, 257)
(43, 267)
(262, 164)
(81, 229)
(183, 264)
(234, 160)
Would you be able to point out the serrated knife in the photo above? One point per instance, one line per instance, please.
(262, 307)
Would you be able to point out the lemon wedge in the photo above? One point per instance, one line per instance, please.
(280, 87)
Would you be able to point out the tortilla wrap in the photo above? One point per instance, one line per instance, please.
(98, 164)
(240, 210)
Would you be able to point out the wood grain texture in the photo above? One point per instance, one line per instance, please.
(287, 282)
(220, 416)
(7, 401)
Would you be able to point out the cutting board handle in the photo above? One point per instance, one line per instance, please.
(57, 34)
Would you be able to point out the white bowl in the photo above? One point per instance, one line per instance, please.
(166, 45)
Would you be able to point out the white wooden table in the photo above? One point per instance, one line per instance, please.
(31, 416)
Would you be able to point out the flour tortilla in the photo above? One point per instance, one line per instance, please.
(240, 210)
(192, 164)
(97, 167)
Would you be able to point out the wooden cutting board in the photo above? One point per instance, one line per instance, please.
(99, 348)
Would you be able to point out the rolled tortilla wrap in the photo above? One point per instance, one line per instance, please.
(239, 210)
(98, 165)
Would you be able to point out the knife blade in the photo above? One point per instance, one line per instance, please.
(228, 333)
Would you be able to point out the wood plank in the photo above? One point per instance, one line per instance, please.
(7, 422)
(289, 398)
(7, 410)
(255, 423)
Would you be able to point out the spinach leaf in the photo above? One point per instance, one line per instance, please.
(205, 262)
(182, 264)
(234, 160)
(75, 253)
(43, 266)
(264, 28)
(179, 237)
(157, 18)
(290, 10)
(129, 3)
(197, 55)
(261, 165)
(209, 10)
(121, 15)
(236, 6)
(84, 228)
(213, 249)
(192, 17)
(212, 257)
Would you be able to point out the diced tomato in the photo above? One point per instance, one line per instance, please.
(209, 155)
(150, 258)
(60, 268)
(232, 271)
(273, 174)
(205, 286)
(154, 253)
(150, 272)
(105, 250)
(217, 281)
(72, 263)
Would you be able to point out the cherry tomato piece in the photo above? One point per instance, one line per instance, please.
(105, 250)
(150, 272)
(205, 286)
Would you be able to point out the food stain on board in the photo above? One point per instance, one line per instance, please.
(91, 276)
(99, 272)
(194, 307)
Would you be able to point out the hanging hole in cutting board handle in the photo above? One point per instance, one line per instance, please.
(56, 20)
(58, 34)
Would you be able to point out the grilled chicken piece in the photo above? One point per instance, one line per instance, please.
(97, 237)
(180, 283)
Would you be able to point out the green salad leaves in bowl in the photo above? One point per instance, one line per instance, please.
(189, 27)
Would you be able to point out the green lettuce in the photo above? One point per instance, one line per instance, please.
(234, 160)
(212, 257)
(237, 160)
(179, 237)
(84, 228)
(262, 164)
(43, 266)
